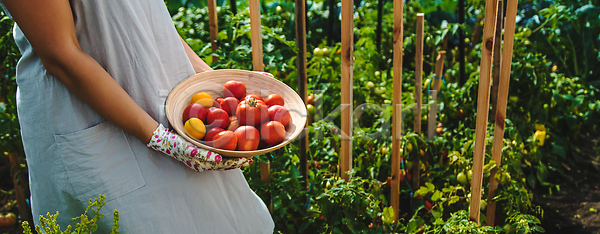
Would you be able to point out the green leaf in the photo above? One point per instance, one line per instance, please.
(559, 150)
(430, 186)
(436, 196)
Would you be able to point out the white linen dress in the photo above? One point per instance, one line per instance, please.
(73, 154)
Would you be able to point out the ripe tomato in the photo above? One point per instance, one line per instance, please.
(248, 138)
(310, 99)
(272, 132)
(280, 113)
(194, 110)
(274, 99)
(225, 140)
(439, 130)
(255, 96)
(233, 123)
(203, 99)
(195, 128)
(229, 104)
(219, 99)
(8, 220)
(235, 89)
(252, 112)
(208, 138)
(428, 205)
(216, 104)
(217, 117)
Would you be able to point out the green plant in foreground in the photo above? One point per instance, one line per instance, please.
(85, 224)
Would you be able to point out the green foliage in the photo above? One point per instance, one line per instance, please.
(553, 84)
(10, 136)
(85, 224)
(562, 98)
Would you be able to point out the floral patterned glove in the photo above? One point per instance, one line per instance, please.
(165, 141)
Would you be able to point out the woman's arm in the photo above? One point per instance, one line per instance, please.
(198, 64)
(48, 26)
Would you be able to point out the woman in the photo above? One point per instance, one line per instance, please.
(92, 82)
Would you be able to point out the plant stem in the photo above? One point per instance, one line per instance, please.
(574, 55)
(561, 59)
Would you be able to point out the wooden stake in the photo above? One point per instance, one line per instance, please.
(256, 35)
(302, 84)
(439, 72)
(213, 23)
(418, 95)
(483, 104)
(507, 52)
(346, 92)
(397, 108)
(497, 59)
(257, 63)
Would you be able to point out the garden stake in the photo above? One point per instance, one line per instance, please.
(483, 105)
(439, 70)
(507, 53)
(302, 86)
(397, 106)
(461, 42)
(256, 36)
(257, 63)
(213, 23)
(497, 59)
(418, 95)
(346, 106)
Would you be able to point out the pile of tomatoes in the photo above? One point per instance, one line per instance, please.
(236, 121)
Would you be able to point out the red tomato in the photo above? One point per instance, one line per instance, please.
(310, 99)
(8, 220)
(216, 104)
(217, 117)
(274, 99)
(235, 89)
(253, 95)
(252, 112)
(428, 205)
(194, 110)
(225, 140)
(210, 134)
(219, 99)
(280, 114)
(248, 138)
(272, 132)
(229, 104)
(233, 123)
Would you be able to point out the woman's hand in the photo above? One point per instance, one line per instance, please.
(197, 159)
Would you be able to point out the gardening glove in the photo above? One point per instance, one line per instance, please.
(198, 159)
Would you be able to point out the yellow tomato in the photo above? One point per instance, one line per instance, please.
(195, 128)
(540, 127)
(203, 99)
(539, 137)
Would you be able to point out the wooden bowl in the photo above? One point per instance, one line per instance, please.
(212, 83)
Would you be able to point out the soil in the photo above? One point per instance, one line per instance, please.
(575, 207)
